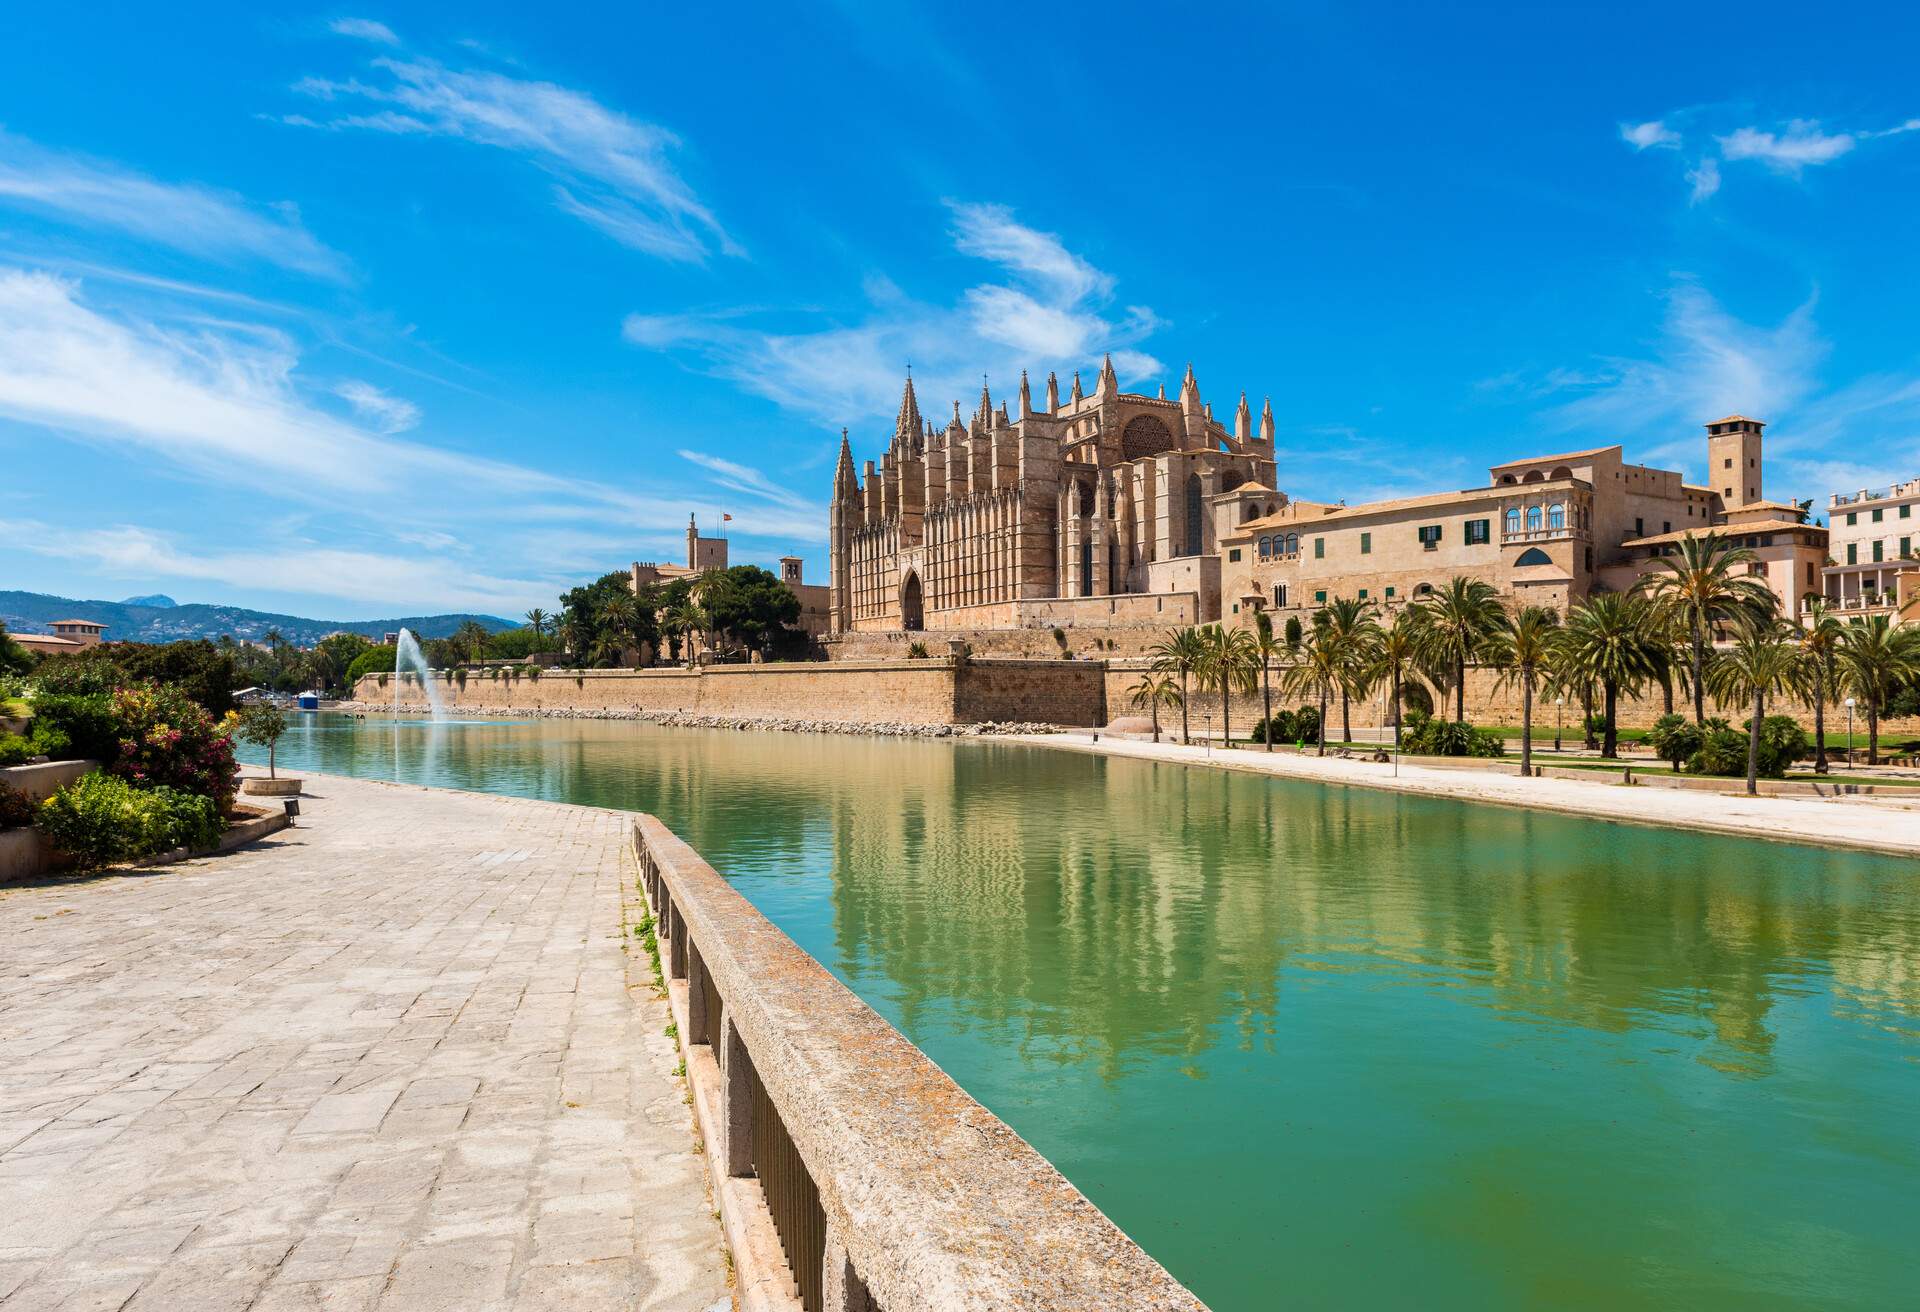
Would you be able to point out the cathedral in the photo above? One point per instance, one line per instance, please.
(1104, 510)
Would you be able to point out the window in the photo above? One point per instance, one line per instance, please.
(1639, 528)
(1666, 526)
(1906, 511)
(1533, 519)
(1876, 550)
(1479, 531)
(1193, 514)
(1279, 594)
(1429, 536)
(1876, 516)
(1266, 548)
(1236, 608)
(1729, 463)
(1319, 548)
(1321, 596)
(1853, 517)
(1557, 515)
(1906, 548)
(1366, 546)
(1293, 544)
(1853, 553)
(1513, 521)
(1533, 556)
(1363, 594)
(1389, 592)
(1234, 554)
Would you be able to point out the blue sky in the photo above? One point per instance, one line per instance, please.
(382, 310)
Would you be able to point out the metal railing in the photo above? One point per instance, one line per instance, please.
(843, 1156)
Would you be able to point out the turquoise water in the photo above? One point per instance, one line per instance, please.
(1315, 1046)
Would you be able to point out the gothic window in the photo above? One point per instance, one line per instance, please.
(1293, 544)
(1513, 521)
(1557, 515)
(1086, 569)
(1266, 548)
(1533, 519)
(1145, 435)
(1194, 512)
(1086, 501)
(1533, 556)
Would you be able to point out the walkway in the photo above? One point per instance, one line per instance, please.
(1858, 822)
(390, 1058)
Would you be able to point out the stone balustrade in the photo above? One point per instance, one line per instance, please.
(842, 1156)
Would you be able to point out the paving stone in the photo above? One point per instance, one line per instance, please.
(332, 1071)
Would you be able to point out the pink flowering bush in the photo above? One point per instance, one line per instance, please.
(168, 741)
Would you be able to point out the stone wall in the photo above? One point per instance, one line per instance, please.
(935, 691)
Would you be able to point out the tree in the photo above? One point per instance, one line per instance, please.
(1315, 672)
(1154, 691)
(273, 639)
(262, 724)
(1819, 641)
(1179, 652)
(1396, 656)
(537, 621)
(1455, 623)
(619, 617)
(1352, 631)
(1605, 643)
(1229, 664)
(749, 604)
(1522, 648)
(471, 639)
(1700, 586)
(1874, 660)
(1761, 661)
(1265, 648)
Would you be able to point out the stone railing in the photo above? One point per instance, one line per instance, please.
(852, 1174)
(1909, 488)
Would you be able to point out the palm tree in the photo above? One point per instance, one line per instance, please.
(473, 636)
(1315, 672)
(1396, 655)
(684, 621)
(537, 621)
(1454, 624)
(1523, 648)
(1231, 664)
(573, 634)
(1154, 691)
(1818, 643)
(273, 639)
(1874, 659)
(1351, 627)
(1605, 643)
(1180, 652)
(1762, 660)
(1266, 647)
(1698, 587)
(620, 614)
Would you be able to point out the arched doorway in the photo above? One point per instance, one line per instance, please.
(913, 610)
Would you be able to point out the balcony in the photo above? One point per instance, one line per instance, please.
(1908, 489)
(1541, 535)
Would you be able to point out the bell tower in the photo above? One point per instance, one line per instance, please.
(1733, 460)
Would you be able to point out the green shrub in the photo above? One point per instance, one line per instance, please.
(167, 740)
(1306, 725)
(375, 660)
(1722, 751)
(98, 819)
(1280, 728)
(916, 651)
(86, 719)
(1422, 735)
(1674, 739)
(14, 750)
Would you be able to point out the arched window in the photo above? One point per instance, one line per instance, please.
(1194, 512)
(1513, 520)
(1293, 544)
(1533, 556)
(1533, 519)
(1557, 515)
(1423, 589)
(1266, 548)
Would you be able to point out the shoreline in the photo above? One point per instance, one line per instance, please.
(694, 720)
(1856, 824)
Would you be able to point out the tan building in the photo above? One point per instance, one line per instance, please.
(1873, 535)
(1104, 510)
(1545, 530)
(705, 553)
(67, 636)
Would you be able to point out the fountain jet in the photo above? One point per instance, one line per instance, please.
(407, 652)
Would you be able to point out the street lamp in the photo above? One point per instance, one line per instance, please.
(1207, 717)
(1849, 733)
(1558, 702)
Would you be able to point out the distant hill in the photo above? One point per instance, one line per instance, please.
(160, 619)
(151, 599)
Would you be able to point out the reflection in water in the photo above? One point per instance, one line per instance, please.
(1318, 1045)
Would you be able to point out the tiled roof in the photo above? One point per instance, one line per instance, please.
(1565, 455)
(1724, 531)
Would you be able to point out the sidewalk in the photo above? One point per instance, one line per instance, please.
(388, 1058)
(1838, 822)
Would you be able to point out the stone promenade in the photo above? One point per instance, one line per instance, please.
(390, 1058)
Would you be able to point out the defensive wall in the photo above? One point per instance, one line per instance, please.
(937, 690)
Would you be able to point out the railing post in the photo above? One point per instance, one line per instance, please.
(841, 1288)
(696, 997)
(736, 1097)
(677, 947)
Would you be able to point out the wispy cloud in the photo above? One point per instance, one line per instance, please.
(364, 29)
(1650, 136)
(748, 480)
(198, 220)
(1047, 310)
(1705, 180)
(389, 414)
(1802, 145)
(611, 170)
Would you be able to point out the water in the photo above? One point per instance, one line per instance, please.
(406, 652)
(1326, 1047)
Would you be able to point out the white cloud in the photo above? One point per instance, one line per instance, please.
(1649, 136)
(745, 479)
(614, 171)
(389, 414)
(1705, 180)
(364, 29)
(198, 220)
(1047, 311)
(1803, 144)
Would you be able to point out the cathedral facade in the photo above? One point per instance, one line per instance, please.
(1103, 510)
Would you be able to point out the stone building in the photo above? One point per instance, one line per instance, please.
(1544, 530)
(704, 553)
(1102, 510)
(1873, 566)
(67, 636)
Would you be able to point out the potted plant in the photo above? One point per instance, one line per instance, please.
(262, 724)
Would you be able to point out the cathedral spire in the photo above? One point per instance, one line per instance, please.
(1109, 383)
(1053, 392)
(986, 402)
(1190, 393)
(1026, 396)
(1266, 422)
(906, 427)
(845, 482)
(1077, 393)
(1243, 420)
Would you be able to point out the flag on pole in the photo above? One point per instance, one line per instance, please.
(725, 516)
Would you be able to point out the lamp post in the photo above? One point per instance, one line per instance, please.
(1558, 702)
(1849, 733)
(1207, 717)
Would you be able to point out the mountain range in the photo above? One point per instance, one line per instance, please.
(158, 618)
